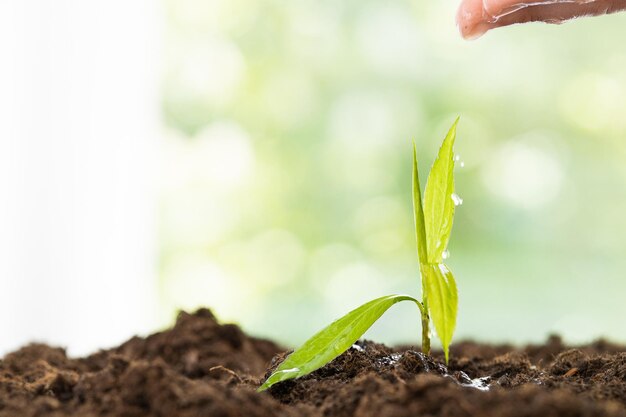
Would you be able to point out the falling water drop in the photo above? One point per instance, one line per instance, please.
(445, 254)
(457, 200)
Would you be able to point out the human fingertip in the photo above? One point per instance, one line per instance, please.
(470, 33)
(470, 19)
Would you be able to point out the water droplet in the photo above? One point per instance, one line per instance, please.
(457, 158)
(457, 200)
(358, 348)
(289, 371)
(462, 164)
(445, 254)
(481, 384)
(432, 333)
(339, 346)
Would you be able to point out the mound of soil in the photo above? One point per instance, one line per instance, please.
(202, 368)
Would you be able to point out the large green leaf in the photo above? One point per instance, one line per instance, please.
(332, 341)
(418, 212)
(443, 301)
(438, 202)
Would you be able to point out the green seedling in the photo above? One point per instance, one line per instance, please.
(433, 224)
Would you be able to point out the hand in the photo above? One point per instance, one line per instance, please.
(475, 17)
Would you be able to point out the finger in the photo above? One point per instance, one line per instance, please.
(499, 8)
(474, 21)
(475, 17)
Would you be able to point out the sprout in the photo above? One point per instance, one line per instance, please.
(434, 215)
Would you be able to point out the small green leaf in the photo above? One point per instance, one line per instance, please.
(333, 340)
(443, 301)
(438, 202)
(418, 212)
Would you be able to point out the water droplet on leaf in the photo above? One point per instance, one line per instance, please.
(289, 371)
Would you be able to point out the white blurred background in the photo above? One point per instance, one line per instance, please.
(79, 142)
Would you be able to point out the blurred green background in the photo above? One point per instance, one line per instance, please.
(285, 198)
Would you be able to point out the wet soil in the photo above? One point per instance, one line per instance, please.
(202, 368)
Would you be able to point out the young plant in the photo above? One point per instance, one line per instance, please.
(433, 224)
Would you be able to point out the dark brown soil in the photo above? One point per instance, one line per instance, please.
(201, 368)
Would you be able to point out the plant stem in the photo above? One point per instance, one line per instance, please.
(422, 250)
(425, 321)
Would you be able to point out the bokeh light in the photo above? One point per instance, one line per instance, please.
(294, 121)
